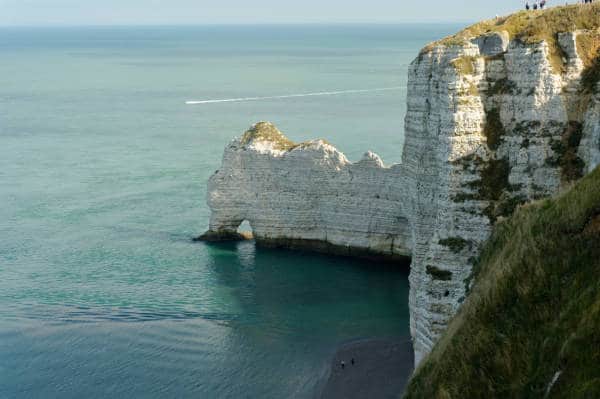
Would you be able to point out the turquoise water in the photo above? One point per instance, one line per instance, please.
(102, 185)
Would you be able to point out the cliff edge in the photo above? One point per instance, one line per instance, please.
(529, 326)
(503, 113)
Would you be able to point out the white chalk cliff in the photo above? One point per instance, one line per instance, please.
(492, 122)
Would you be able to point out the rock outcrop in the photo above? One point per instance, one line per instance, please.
(308, 196)
(494, 119)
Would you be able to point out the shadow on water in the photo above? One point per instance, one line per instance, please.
(242, 248)
(296, 289)
(287, 288)
(317, 302)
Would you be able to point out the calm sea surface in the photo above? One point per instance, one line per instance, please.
(102, 184)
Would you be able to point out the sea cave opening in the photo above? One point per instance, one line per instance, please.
(245, 229)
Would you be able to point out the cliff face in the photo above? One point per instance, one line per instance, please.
(493, 121)
(308, 196)
(529, 327)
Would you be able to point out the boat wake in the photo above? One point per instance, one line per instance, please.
(322, 93)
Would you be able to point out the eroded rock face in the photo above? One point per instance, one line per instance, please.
(484, 134)
(490, 124)
(300, 195)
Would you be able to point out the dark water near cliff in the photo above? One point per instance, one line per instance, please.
(102, 185)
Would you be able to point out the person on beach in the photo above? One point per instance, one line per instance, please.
(535, 6)
(352, 361)
(343, 364)
(527, 7)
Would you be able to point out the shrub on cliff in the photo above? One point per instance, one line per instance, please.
(531, 325)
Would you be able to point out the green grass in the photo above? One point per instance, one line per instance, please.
(588, 48)
(533, 27)
(533, 311)
(266, 131)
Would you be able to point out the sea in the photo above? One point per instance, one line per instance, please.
(103, 171)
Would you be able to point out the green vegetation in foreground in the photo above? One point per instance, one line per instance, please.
(266, 131)
(533, 315)
(536, 26)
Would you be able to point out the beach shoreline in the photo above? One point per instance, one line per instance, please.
(381, 369)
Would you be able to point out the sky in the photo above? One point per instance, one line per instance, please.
(144, 12)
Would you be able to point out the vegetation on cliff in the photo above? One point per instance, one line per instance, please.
(266, 131)
(541, 25)
(534, 26)
(529, 327)
(588, 46)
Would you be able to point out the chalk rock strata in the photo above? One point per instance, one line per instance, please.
(491, 123)
(308, 196)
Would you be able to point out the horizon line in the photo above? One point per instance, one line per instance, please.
(233, 23)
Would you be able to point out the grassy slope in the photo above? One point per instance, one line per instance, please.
(534, 309)
(537, 26)
(534, 26)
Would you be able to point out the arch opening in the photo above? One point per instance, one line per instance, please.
(245, 229)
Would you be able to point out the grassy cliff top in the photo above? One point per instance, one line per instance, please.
(266, 131)
(533, 26)
(534, 311)
(542, 25)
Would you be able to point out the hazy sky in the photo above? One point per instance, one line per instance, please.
(86, 12)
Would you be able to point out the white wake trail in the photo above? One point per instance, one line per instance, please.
(322, 93)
